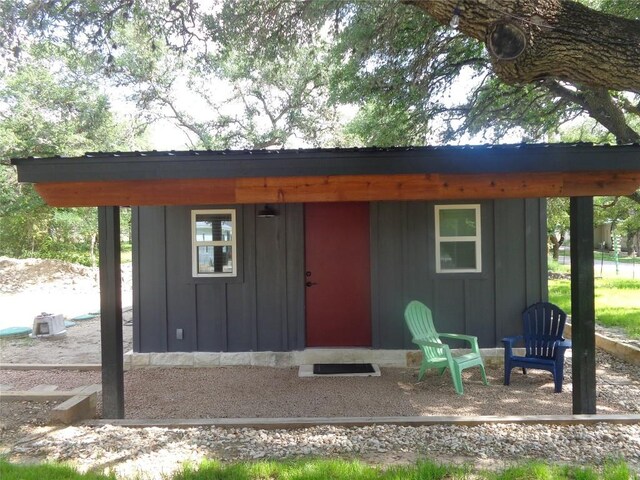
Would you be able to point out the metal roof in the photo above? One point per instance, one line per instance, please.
(468, 159)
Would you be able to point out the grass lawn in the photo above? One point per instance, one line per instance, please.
(125, 253)
(563, 264)
(617, 302)
(313, 469)
(623, 257)
(46, 471)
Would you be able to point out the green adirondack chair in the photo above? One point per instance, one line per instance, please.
(436, 354)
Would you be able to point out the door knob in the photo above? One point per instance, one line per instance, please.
(310, 284)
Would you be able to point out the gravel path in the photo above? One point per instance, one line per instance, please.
(252, 391)
(153, 452)
(262, 392)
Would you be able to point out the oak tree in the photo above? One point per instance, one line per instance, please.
(535, 64)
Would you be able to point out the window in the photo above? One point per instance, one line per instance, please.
(213, 238)
(458, 239)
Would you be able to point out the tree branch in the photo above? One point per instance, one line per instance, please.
(564, 40)
(629, 107)
(602, 108)
(610, 204)
(599, 104)
(635, 197)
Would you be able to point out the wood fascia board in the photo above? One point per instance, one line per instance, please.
(337, 188)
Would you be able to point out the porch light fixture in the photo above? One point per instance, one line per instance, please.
(267, 212)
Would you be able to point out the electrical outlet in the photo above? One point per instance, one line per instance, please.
(179, 334)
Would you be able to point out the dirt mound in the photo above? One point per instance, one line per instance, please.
(17, 275)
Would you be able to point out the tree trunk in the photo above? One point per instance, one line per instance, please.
(555, 246)
(564, 40)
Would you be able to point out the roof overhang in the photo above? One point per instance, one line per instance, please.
(327, 175)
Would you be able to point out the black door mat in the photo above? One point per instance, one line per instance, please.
(342, 368)
(339, 370)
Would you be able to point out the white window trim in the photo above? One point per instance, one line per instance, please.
(477, 238)
(217, 243)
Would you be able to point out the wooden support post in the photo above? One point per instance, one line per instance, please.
(582, 306)
(111, 313)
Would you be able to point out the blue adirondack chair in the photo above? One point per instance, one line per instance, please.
(544, 344)
(436, 354)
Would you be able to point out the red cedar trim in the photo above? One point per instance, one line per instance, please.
(337, 188)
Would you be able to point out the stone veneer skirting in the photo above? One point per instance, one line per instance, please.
(384, 358)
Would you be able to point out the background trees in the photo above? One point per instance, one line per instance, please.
(50, 111)
(283, 73)
(398, 61)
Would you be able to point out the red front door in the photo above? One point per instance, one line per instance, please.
(338, 293)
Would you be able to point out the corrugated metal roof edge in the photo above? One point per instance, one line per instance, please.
(314, 151)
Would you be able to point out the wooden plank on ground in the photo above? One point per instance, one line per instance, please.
(78, 407)
(44, 388)
(36, 396)
(306, 422)
(51, 366)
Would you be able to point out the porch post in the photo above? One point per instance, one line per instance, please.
(582, 306)
(111, 313)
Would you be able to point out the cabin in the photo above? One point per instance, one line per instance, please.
(332, 275)
(290, 251)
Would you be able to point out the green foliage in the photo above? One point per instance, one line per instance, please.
(624, 8)
(29, 228)
(317, 469)
(557, 267)
(558, 215)
(292, 67)
(615, 470)
(293, 64)
(271, 102)
(624, 216)
(413, 80)
(622, 213)
(424, 470)
(47, 110)
(47, 115)
(588, 131)
(600, 255)
(560, 294)
(397, 64)
(293, 470)
(616, 302)
(48, 471)
(618, 470)
(125, 249)
(24, 217)
(496, 110)
(338, 470)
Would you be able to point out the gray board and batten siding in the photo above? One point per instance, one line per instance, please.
(263, 308)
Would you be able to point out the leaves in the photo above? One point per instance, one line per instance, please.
(413, 79)
(48, 110)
